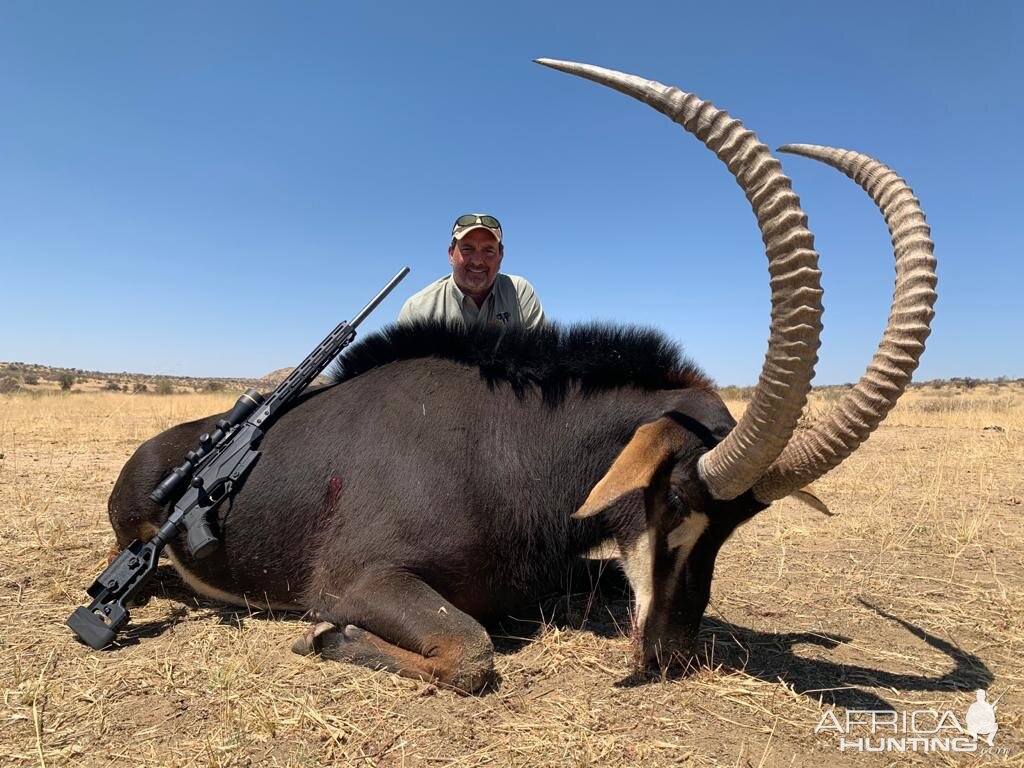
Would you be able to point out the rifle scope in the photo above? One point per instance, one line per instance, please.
(181, 475)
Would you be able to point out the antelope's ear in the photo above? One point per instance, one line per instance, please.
(809, 496)
(651, 445)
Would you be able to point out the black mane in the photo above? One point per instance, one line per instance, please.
(549, 359)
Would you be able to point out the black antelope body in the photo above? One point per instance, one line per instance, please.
(449, 477)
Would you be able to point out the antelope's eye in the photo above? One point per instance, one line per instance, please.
(674, 502)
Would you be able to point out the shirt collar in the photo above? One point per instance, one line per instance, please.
(461, 297)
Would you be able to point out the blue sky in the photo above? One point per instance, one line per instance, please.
(207, 189)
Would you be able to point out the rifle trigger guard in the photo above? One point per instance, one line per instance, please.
(220, 491)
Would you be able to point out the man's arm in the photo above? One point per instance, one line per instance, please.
(428, 304)
(529, 304)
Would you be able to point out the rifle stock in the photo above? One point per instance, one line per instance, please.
(210, 473)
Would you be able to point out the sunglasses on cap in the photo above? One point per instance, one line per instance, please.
(471, 218)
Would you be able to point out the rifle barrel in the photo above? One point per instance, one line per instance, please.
(372, 305)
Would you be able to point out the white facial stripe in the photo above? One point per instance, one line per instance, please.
(681, 539)
(638, 563)
(685, 535)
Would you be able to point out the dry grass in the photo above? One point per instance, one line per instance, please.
(910, 597)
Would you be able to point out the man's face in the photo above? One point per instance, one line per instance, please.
(475, 261)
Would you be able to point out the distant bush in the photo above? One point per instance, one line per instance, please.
(963, 405)
(831, 395)
(66, 381)
(736, 393)
(213, 386)
(966, 382)
(112, 386)
(164, 387)
(140, 387)
(9, 384)
(31, 379)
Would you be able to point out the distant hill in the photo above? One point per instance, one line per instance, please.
(30, 377)
(272, 379)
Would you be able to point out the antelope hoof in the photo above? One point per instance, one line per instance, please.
(310, 642)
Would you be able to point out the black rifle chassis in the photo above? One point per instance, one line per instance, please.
(211, 473)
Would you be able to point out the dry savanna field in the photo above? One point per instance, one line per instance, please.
(908, 598)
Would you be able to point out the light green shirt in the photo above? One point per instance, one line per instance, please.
(512, 301)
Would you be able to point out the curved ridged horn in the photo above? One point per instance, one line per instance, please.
(821, 448)
(733, 466)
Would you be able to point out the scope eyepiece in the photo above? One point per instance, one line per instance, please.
(169, 486)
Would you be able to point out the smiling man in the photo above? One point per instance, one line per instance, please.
(476, 292)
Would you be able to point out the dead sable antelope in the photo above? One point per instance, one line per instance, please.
(450, 477)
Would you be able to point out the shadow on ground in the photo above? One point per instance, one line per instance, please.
(167, 584)
(597, 599)
(769, 656)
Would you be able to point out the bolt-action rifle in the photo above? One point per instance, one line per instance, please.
(211, 473)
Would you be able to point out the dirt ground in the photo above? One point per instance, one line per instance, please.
(909, 598)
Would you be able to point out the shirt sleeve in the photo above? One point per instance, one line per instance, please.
(529, 304)
(406, 314)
